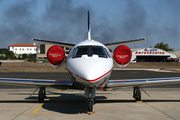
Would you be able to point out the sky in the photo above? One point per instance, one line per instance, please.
(112, 21)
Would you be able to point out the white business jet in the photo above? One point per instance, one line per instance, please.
(90, 65)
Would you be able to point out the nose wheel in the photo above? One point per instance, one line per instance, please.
(41, 94)
(90, 105)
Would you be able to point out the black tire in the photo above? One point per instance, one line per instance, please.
(137, 94)
(40, 97)
(90, 105)
(138, 98)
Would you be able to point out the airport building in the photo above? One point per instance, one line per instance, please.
(44, 49)
(19, 49)
(151, 55)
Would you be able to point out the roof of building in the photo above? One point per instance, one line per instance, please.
(23, 45)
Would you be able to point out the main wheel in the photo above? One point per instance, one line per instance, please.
(137, 94)
(40, 96)
(138, 97)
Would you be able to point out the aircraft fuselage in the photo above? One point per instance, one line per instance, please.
(90, 63)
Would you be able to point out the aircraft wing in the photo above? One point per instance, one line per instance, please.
(37, 82)
(54, 43)
(142, 82)
(108, 45)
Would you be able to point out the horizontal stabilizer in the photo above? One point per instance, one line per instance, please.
(108, 45)
(55, 43)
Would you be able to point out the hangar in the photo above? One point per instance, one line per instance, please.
(151, 55)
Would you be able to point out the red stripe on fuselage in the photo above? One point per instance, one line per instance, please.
(90, 80)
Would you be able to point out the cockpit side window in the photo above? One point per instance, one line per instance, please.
(108, 53)
(71, 53)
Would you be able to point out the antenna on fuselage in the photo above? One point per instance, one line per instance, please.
(89, 27)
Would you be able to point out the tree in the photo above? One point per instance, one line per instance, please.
(3, 50)
(24, 56)
(10, 54)
(163, 46)
(2, 57)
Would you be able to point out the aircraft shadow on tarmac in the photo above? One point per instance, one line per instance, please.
(75, 103)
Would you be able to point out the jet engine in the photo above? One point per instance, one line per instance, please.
(56, 56)
(122, 55)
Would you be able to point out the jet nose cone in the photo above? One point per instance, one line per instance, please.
(90, 73)
(90, 69)
(87, 72)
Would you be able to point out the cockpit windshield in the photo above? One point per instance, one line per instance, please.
(89, 51)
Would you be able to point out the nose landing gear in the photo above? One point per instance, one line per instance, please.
(90, 94)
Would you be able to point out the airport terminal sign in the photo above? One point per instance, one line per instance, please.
(148, 51)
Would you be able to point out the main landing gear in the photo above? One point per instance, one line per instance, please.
(41, 94)
(137, 93)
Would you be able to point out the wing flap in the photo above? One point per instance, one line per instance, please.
(55, 43)
(142, 82)
(108, 45)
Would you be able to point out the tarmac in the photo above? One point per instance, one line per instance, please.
(18, 103)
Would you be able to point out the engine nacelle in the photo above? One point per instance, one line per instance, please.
(122, 55)
(56, 56)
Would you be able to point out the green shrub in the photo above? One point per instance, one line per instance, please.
(24, 56)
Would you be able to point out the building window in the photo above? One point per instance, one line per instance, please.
(19, 48)
(27, 48)
(30, 48)
(23, 49)
(16, 49)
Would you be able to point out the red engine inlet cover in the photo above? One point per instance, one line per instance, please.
(56, 55)
(122, 55)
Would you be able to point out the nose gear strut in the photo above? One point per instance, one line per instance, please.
(90, 94)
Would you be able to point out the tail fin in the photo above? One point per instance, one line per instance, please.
(89, 27)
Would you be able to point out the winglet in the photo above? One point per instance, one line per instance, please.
(89, 27)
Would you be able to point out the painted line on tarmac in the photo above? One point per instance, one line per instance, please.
(36, 110)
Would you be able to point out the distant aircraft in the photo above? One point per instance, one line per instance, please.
(90, 65)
